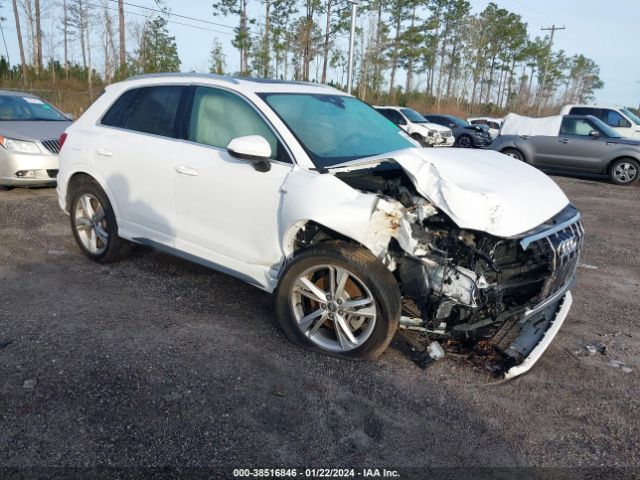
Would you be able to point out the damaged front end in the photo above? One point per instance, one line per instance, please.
(500, 300)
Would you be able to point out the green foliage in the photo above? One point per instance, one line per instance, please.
(217, 59)
(158, 51)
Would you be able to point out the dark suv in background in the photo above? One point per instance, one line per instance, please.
(466, 135)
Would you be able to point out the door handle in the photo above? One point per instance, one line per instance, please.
(104, 152)
(612, 143)
(564, 140)
(184, 170)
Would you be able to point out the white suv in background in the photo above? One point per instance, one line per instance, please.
(623, 120)
(307, 192)
(419, 128)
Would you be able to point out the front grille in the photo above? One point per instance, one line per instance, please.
(52, 145)
(52, 173)
(562, 248)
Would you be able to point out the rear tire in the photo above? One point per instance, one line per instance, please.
(94, 225)
(514, 153)
(332, 287)
(624, 171)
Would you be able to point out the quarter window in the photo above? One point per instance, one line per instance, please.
(218, 116)
(148, 110)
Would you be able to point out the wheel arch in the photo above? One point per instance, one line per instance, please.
(619, 157)
(85, 174)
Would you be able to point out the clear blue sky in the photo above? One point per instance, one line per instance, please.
(603, 30)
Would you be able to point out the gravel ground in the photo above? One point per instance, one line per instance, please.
(155, 361)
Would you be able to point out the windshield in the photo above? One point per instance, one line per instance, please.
(606, 129)
(18, 108)
(413, 116)
(335, 129)
(459, 122)
(634, 118)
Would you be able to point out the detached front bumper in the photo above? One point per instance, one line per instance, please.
(27, 169)
(525, 339)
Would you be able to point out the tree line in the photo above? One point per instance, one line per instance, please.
(432, 52)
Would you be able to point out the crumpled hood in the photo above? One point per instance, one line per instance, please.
(484, 190)
(481, 189)
(33, 130)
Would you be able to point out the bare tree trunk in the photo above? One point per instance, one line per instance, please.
(327, 28)
(267, 28)
(394, 60)
(65, 34)
(377, 62)
(38, 39)
(23, 61)
(409, 80)
(121, 28)
(89, 69)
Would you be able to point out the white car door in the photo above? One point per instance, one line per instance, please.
(134, 155)
(226, 210)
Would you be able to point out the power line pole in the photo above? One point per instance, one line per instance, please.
(543, 87)
(354, 7)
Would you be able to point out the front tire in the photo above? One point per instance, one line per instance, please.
(93, 223)
(624, 171)
(465, 141)
(340, 300)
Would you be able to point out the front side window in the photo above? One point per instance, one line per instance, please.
(634, 118)
(26, 109)
(219, 116)
(148, 110)
(334, 129)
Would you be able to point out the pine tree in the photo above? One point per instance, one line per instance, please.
(158, 51)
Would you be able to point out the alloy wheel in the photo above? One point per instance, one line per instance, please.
(333, 308)
(625, 172)
(91, 224)
(464, 142)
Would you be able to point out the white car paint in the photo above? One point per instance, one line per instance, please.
(481, 190)
(488, 121)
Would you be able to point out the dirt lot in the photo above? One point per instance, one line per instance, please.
(154, 361)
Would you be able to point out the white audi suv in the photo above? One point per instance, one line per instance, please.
(309, 193)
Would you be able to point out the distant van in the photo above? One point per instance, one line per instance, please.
(622, 119)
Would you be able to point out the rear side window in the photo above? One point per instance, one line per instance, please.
(576, 126)
(149, 110)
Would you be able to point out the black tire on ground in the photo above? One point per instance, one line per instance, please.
(4, 188)
(624, 171)
(465, 141)
(362, 263)
(514, 153)
(420, 139)
(116, 247)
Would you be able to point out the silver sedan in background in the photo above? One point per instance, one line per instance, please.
(30, 129)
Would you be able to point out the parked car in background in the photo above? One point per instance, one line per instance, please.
(353, 229)
(492, 123)
(29, 145)
(623, 120)
(419, 128)
(465, 134)
(572, 144)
